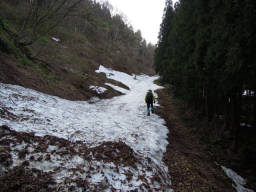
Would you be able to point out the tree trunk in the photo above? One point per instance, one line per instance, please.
(236, 119)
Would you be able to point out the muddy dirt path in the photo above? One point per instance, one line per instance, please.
(190, 165)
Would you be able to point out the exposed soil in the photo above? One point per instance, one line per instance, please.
(190, 165)
(55, 79)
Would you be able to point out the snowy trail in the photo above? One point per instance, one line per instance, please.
(121, 118)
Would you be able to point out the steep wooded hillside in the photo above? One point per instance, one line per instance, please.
(55, 46)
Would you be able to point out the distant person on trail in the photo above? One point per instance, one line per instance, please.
(150, 99)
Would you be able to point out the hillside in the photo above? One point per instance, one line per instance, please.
(56, 47)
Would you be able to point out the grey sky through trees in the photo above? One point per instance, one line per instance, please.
(143, 15)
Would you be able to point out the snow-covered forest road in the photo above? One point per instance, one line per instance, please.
(120, 119)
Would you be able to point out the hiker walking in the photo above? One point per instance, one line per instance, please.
(150, 99)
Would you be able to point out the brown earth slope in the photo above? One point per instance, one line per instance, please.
(54, 79)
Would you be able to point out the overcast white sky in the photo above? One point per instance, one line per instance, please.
(145, 15)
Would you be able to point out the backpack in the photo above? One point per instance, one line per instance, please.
(149, 97)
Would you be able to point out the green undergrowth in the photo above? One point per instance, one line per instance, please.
(7, 44)
(46, 72)
(23, 61)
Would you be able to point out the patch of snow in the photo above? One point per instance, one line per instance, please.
(117, 88)
(245, 125)
(237, 179)
(94, 100)
(248, 93)
(125, 78)
(56, 39)
(51, 148)
(98, 89)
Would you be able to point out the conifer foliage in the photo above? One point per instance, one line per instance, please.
(206, 52)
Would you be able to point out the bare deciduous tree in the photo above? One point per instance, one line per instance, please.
(42, 16)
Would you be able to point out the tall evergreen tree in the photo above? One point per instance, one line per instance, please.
(206, 51)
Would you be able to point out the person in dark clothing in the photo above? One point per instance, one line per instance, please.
(150, 99)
